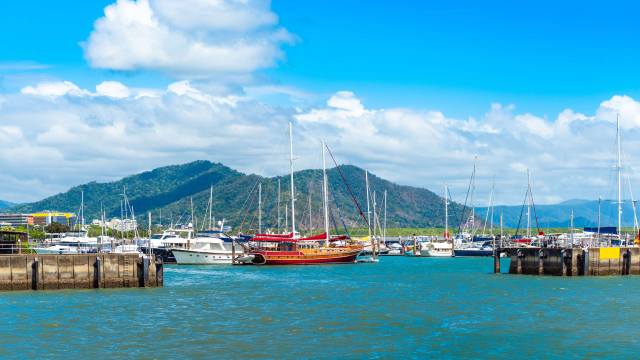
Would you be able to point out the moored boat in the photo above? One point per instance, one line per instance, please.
(302, 251)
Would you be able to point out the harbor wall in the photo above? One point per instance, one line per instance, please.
(574, 261)
(81, 271)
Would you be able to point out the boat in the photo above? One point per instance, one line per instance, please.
(206, 251)
(291, 249)
(475, 249)
(299, 251)
(55, 249)
(436, 249)
(163, 244)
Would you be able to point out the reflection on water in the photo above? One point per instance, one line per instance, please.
(400, 307)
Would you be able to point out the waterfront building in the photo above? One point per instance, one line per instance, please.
(45, 218)
(15, 220)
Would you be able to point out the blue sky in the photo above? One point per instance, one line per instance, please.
(411, 90)
(458, 56)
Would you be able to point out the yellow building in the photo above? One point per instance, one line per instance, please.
(48, 217)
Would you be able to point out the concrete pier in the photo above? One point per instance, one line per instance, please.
(82, 271)
(573, 261)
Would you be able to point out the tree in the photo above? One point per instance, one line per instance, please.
(56, 228)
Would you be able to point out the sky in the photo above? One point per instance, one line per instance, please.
(412, 91)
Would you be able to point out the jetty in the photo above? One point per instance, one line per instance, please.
(595, 261)
(79, 271)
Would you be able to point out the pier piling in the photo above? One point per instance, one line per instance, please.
(78, 271)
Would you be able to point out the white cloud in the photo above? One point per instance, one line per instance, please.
(113, 89)
(192, 38)
(56, 135)
(54, 89)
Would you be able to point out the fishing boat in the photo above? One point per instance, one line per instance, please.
(291, 249)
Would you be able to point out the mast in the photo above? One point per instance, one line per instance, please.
(528, 204)
(599, 201)
(193, 225)
(293, 196)
(309, 205)
(149, 236)
(82, 210)
(259, 208)
(619, 168)
(571, 228)
(446, 213)
(325, 195)
(366, 181)
(101, 227)
(375, 219)
(384, 229)
(211, 207)
(278, 206)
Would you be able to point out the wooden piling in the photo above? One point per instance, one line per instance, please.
(496, 262)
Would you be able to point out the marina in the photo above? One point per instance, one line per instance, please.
(423, 307)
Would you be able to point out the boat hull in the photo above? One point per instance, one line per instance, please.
(466, 252)
(192, 257)
(296, 258)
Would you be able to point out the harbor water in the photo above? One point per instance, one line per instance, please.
(398, 308)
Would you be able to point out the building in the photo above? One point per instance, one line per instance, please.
(45, 218)
(15, 220)
(122, 225)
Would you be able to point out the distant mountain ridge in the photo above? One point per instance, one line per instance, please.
(5, 204)
(585, 213)
(168, 192)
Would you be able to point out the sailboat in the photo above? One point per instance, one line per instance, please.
(291, 249)
(440, 248)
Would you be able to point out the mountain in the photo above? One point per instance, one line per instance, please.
(5, 204)
(585, 213)
(168, 192)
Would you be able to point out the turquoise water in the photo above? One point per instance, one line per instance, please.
(400, 307)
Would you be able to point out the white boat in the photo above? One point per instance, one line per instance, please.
(436, 249)
(126, 249)
(55, 249)
(206, 251)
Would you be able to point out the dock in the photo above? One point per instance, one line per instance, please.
(600, 261)
(79, 271)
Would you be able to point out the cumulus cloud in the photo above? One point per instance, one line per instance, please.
(113, 89)
(55, 135)
(187, 38)
(54, 89)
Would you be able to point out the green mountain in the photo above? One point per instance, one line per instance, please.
(5, 204)
(167, 193)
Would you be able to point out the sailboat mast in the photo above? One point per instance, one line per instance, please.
(619, 168)
(528, 204)
(259, 208)
(149, 236)
(309, 205)
(278, 206)
(325, 195)
(446, 213)
(384, 230)
(82, 209)
(599, 201)
(193, 224)
(366, 181)
(211, 207)
(293, 197)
